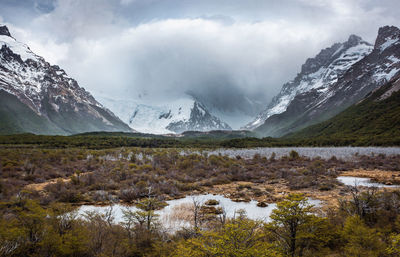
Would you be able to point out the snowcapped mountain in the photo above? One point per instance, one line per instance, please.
(41, 98)
(231, 106)
(317, 75)
(175, 116)
(348, 79)
(375, 119)
(199, 119)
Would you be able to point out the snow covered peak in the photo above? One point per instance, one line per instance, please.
(155, 118)
(16, 47)
(353, 71)
(54, 98)
(326, 56)
(175, 116)
(317, 75)
(4, 31)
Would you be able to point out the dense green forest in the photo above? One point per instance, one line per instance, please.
(373, 121)
(111, 140)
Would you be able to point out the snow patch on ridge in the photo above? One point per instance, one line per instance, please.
(18, 48)
(145, 116)
(152, 119)
(384, 75)
(389, 42)
(320, 80)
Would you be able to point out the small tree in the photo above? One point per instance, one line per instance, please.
(272, 157)
(295, 228)
(197, 214)
(363, 203)
(360, 239)
(394, 247)
(145, 217)
(293, 155)
(237, 238)
(141, 225)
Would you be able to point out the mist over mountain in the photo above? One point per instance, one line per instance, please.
(336, 78)
(232, 57)
(199, 128)
(317, 75)
(40, 98)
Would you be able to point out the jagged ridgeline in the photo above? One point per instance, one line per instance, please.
(178, 116)
(41, 98)
(374, 120)
(336, 78)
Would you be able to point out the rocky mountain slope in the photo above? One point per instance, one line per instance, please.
(312, 85)
(199, 119)
(295, 108)
(175, 116)
(229, 105)
(375, 119)
(41, 98)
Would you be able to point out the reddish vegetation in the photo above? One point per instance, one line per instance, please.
(99, 176)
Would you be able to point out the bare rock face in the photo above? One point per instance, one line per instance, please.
(55, 103)
(176, 116)
(200, 120)
(387, 36)
(336, 78)
(4, 31)
(317, 75)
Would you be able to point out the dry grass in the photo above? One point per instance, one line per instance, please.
(275, 192)
(381, 176)
(41, 186)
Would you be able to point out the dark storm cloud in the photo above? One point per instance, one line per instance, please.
(225, 51)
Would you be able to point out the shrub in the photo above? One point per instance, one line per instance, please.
(293, 155)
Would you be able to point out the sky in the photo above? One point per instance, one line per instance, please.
(228, 52)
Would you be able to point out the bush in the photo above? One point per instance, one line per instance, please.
(293, 155)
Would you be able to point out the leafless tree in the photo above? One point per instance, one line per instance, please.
(362, 200)
(197, 215)
(223, 216)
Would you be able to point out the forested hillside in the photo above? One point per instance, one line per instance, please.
(376, 119)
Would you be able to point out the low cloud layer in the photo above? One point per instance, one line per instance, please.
(224, 51)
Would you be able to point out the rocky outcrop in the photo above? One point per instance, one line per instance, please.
(62, 106)
(337, 78)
